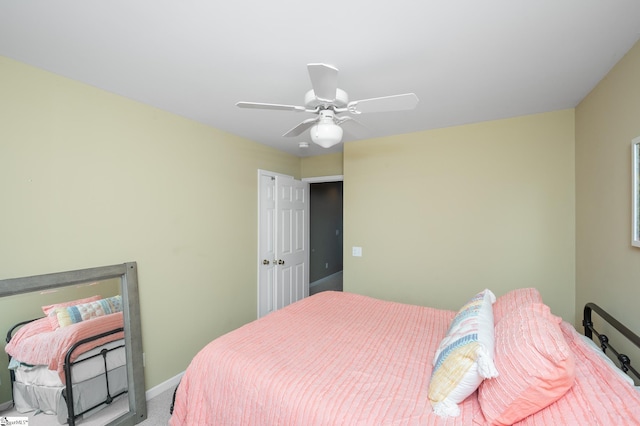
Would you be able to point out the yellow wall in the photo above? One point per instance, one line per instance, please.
(607, 266)
(445, 213)
(321, 165)
(89, 179)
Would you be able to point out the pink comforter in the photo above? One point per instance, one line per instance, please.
(344, 359)
(332, 358)
(36, 344)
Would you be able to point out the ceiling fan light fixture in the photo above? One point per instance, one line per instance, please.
(326, 134)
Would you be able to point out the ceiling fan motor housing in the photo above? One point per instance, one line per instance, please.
(311, 101)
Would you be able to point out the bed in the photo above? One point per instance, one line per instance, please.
(347, 359)
(70, 363)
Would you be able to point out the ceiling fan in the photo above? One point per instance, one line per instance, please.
(326, 101)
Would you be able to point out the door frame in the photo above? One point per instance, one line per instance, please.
(324, 179)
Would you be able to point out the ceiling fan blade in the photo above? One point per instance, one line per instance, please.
(353, 127)
(324, 80)
(297, 131)
(258, 105)
(387, 103)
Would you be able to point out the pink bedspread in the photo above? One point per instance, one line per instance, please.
(35, 343)
(344, 359)
(332, 358)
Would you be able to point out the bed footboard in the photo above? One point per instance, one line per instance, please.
(589, 330)
(67, 392)
(68, 364)
(12, 374)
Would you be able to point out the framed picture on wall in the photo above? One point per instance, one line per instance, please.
(635, 187)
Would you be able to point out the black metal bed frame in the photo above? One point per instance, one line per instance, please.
(589, 330)
(67, 392)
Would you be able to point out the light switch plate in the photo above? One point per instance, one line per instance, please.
(356, 251)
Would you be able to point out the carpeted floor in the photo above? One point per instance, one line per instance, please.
(158, 409)
(157, 413)
(332, 282)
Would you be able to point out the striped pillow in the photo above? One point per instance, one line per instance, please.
(74, 314)
(513, 300)
(464, 357)
(49, 310)
(536, 366)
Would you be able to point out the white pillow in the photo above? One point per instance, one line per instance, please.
(465, 356)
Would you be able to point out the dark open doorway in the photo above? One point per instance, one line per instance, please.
(325, 236)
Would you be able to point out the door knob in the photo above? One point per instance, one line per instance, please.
(265, 262)
(280, 262)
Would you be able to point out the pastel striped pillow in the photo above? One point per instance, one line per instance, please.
(85, 311)
(464, 357)
(535, 362)
(49, 310)
(513, 300)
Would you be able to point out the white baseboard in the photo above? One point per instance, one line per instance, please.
(164, 386)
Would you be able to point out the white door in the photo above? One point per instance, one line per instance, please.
(292, 275)
(266, 245)
(283, 276)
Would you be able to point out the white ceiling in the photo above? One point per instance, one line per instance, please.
(467, 60)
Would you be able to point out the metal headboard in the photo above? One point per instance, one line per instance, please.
(625, 362)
